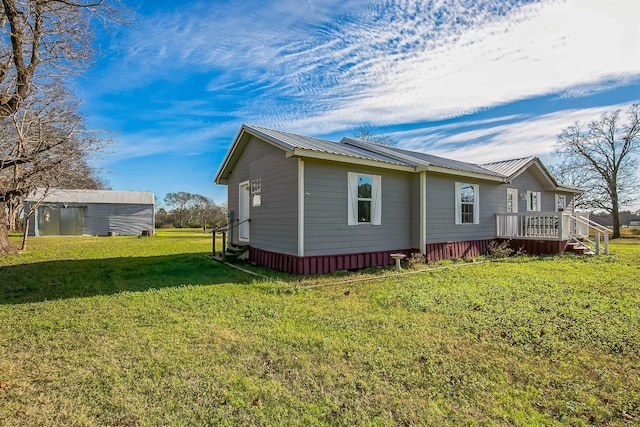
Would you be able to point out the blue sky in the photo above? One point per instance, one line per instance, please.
(472, 80)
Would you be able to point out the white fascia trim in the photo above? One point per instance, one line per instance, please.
(218, 179)
(565, 188)
(236, 143)
(466, 174)
(297, 152)
(300, 207)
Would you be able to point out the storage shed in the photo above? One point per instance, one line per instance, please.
(63, 212)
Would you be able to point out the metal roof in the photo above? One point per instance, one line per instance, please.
(508, 167)
(59, 195)
(364, 151)
(291, 141)
(424, 159)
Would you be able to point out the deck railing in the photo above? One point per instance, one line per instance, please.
(532, 225)
(568, 226)
(224, 230)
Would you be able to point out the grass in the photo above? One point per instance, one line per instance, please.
(126, 331)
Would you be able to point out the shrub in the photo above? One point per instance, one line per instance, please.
(499, 249)
(416, 260)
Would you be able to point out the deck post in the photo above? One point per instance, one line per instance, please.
(561, 227)
(598, 242)
(224, 243)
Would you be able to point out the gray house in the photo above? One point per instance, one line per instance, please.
(90, 212)
(308, 205)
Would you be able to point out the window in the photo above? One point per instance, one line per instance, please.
(534, 201)
(561, 202)
(365, 199)
(467, 203)
(256, 191)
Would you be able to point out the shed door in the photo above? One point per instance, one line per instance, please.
(243, 214)
(48, 221)
(71, 221)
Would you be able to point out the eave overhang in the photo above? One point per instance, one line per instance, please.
(319, 155)
(421, 165)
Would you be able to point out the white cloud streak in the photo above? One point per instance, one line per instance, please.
(533, 137)
(326, 66)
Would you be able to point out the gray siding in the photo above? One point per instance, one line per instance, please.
(531, 181)
(273, 225)
(100, 219)
(326, 229)
(121, 220)
(415, 211)
(441, 225)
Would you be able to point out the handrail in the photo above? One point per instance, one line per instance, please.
(224, 229)
(590, 223)
(550, 226)
(598, 228)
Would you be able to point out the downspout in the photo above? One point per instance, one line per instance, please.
(423, 213)
(300, 207)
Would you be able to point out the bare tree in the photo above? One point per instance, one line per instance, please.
(44, 144)
(41, 41)
(207, 212)
(179, 202)
(598, 156)
(52, 36)
(365, 133)
(189, 208)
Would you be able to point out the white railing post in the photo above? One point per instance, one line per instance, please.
(598, 242)
(560, 226)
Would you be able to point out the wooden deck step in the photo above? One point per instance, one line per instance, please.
(579, 248)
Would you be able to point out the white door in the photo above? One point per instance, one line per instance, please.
(512, 207)
(243, 214)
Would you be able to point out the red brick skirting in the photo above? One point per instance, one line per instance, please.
(470, 248)
(322, 264)
(434, 252)
(539, 247)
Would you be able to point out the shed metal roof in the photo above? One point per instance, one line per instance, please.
(59, 195)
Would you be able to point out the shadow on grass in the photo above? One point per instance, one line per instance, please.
(85, 278)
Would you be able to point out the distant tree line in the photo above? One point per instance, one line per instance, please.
(190, 210)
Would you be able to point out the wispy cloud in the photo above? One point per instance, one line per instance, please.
(490, 142)
(526, 51)
(324, 66)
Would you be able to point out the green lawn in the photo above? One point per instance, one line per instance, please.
(149, 331)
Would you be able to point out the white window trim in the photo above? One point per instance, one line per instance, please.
(352, 202)
(538, 201)
(458, 204)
